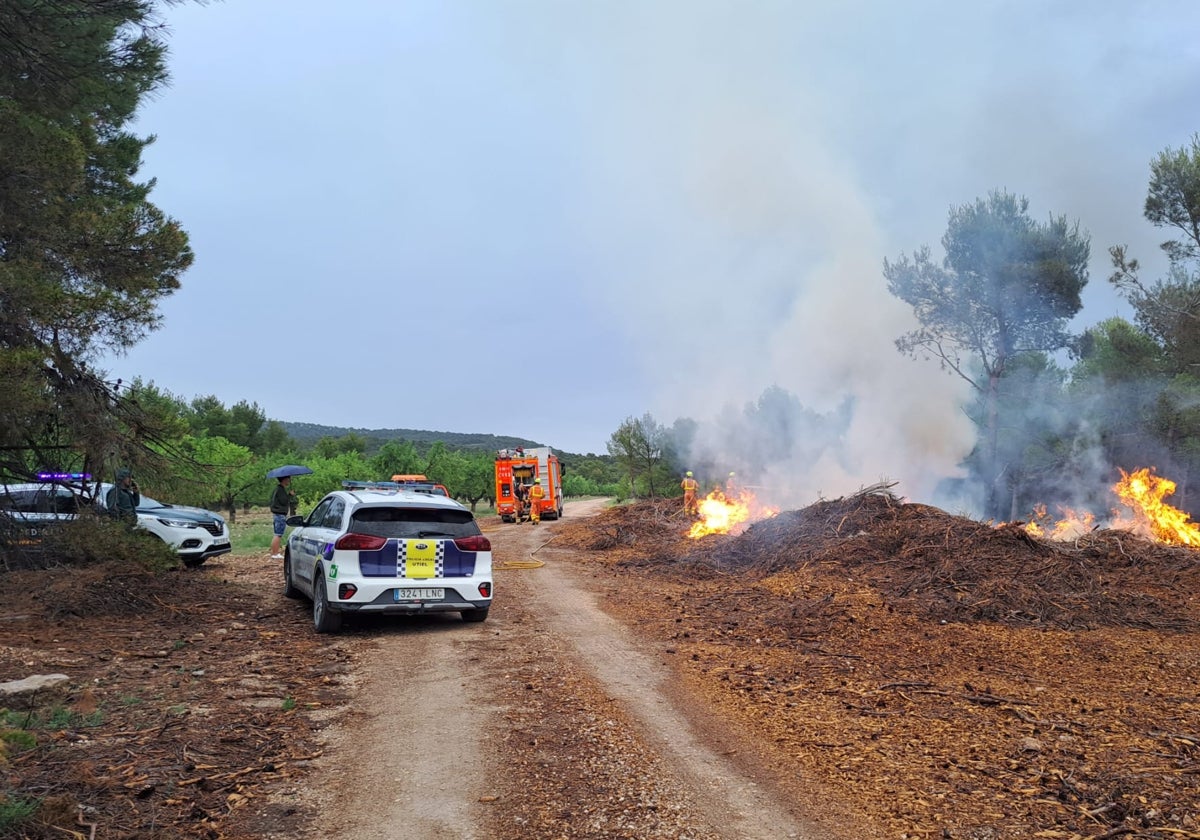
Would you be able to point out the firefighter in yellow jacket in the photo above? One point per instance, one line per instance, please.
(536, 494)
(733, 488)
(689, 485)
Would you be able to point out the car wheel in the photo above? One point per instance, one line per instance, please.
(193, 562)
(325, 620)
(475, 615)
(289, 591)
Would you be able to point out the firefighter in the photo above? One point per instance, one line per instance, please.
(689, 486)
(536, 494)
(732, 491)
(519, 498)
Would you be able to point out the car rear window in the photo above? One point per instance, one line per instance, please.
(413, 522)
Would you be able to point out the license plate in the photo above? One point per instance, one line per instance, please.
(420, 594)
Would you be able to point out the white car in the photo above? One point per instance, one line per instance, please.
(195, 533)
(29, 511)
(391, 551)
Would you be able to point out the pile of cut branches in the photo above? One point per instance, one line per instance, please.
(950, 567)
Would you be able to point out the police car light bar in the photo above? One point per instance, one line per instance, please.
(426, 488)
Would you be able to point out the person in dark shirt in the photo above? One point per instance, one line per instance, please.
(124, 497)
(283, 502)
(519, 495)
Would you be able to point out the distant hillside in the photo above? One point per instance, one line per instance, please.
(307, 434)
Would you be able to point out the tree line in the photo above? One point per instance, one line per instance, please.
(217, 456)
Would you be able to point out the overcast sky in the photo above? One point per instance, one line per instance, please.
(540, 217)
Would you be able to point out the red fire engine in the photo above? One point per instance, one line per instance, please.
(515, 471)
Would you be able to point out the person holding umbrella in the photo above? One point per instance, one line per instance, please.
(283, 503)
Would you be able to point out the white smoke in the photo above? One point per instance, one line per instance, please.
(753, 257)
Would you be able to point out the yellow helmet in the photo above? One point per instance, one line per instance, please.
(537, 481)
(689, 473)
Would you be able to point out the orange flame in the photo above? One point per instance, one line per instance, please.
(1073, 524)
(1143, 492)
(723, 515)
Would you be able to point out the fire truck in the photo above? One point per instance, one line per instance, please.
(515, 471)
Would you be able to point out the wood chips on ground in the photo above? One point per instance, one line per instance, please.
(198, 717)
(944, 678)
(947, 677)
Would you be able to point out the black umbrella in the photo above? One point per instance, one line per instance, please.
(289, 469)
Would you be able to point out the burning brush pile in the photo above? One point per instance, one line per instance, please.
(928, 668)
(950, 568)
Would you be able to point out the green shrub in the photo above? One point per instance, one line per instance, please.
(93, 538)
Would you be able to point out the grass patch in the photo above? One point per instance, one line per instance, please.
(58, 717)
(289, 703)
(251, 533)
(15, 812)
(16, 740)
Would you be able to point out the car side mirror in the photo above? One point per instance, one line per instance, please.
(294, 521)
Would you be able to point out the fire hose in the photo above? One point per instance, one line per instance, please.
(519, 564)
(524, 564)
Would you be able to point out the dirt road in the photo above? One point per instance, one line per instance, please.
(549, 720)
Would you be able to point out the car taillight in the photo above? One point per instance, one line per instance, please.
(485, 589)
(476, 543)
(360, 542)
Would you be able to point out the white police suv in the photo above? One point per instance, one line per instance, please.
(375, 548)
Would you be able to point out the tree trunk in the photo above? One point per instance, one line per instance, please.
(992, 446)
